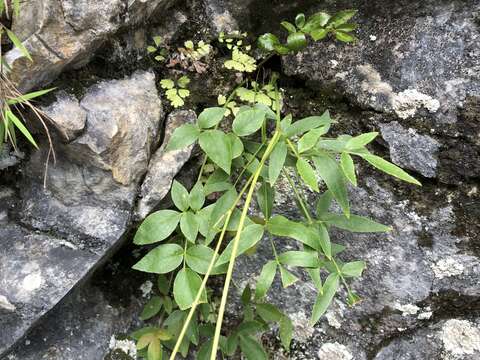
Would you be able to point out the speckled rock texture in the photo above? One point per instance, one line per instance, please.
(164, 165)
(65, 33)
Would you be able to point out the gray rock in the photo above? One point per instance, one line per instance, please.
(78, 211)
(65, 34)
(164, 165)
(123, 120)
(8, 158)
(36, 272)
(395, 66)
(451, 339)
(67, 116)
(91, 189)
(411, 150)
(90, 320)
(403, 276)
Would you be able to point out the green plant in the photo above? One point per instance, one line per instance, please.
(176, 92)
(157, 50)
(240, 59)
(317, 26)
(248, 146)
(12, 102)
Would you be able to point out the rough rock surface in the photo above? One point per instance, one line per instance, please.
(414, 76)
(410, 150)
(61, 34)
(417, 62)
(164, 165)
(66, 229)
(67, 116)
(83, 325)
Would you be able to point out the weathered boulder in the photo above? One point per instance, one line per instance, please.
(73, 216)
(415, 274)
(68, 117)
(164, 165)
(410, 150)
(91, 320)
(414, 62)
(61, 34)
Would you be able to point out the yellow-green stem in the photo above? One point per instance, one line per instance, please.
(202, 286)
(209, 270)
(228, 277)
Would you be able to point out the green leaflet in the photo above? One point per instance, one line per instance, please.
(354, 268)
(198, 258)
(389, 168)
(310, 139)
(210, 117)
(250, 236)
(183, 136)
(276, 161)
(249, 121)
(306, 172)
(330, 172)
(237, 145)
(180, 196)
(360, 140)
(265, 279)
(189, 226)
(287, 277)
(218, 148)
(286, 331)
(269, 312)
(151, 308)
(281, 226)
(323, 203)
(299, 258)
(324, 239)
(185, 288)
(265, 198)
(325, 298)
(296, 41)
(354, 223)
(155, 351)
(196, 199)
(161, 260)
(157, 227)
(348, 168)
(309, 123)
(252, 349)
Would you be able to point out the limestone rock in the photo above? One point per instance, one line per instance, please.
(67, 116)
(36, 271)
(83, 325)
(71, 218)
(66, 33)
(164, 165)
(400, 70)
(123, 120)
(411, 150)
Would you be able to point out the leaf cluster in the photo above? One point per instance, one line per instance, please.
(176, 91)
(158, 51)
(317, 27)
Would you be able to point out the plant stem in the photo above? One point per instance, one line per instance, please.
(231, 264)
(299, 197)
(228, 214)
(230, 97)
(301, 201)
(202, 286)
